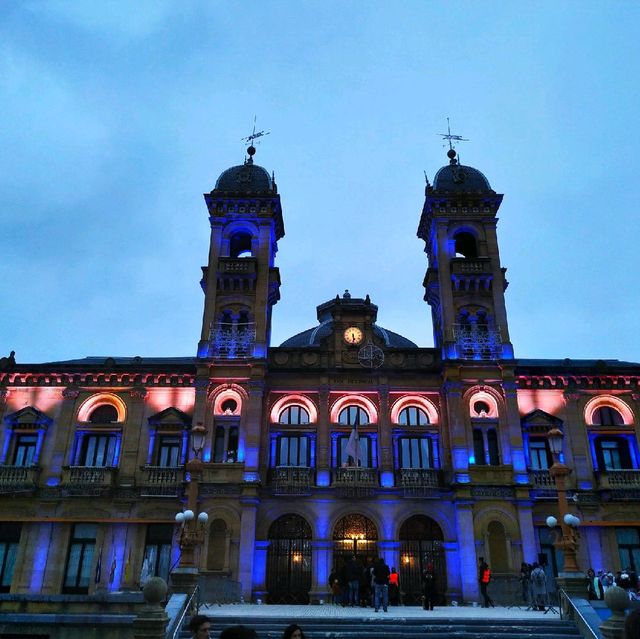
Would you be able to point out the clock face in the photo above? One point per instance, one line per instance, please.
(352, 335)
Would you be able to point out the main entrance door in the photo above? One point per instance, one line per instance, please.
(421, 545)
(289, 561)
(354, 535)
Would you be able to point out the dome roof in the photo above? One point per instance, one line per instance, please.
(313, 336)
(460, 178)
(245, 178)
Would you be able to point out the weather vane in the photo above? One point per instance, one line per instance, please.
(449, 136)
(254, 136)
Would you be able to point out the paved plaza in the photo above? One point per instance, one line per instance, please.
(242, 611)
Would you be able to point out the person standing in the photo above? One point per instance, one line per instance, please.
(354, 572)
(200, 627)
(538, 587)
(334, 587)
(394, 587)
(484, 577)
(294, 631)
(429, 590)
(381, 584)
(595, 590)
(525, 581)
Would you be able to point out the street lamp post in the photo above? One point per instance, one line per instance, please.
(192, 527)
(571, 579)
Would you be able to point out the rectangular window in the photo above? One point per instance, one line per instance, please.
(293, 451)
(77, 575)
(492, 446)
(478, 447)
(9, 542)
(611, 458)
(98, 450)
(416, 452)
(225, 443)
(629, 548)
(540, 454)
(157, 552)
(169, 451)
(366, 458)
(25, 450)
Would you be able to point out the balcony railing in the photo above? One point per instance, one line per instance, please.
(619, 479)
(477, 341)
(541, 479)
(419, 482)
(232, 340)
(160, 481)
(88, 481)
(291, 480)
(18, 478)
(355, 482)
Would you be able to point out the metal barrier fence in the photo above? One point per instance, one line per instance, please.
(507, 589)
(214, 589)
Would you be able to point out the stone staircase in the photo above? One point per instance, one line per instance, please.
(396, 627)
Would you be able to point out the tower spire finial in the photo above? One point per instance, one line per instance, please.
(251, 151)
(451, 153)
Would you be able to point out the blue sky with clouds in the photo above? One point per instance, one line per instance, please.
(117, 116)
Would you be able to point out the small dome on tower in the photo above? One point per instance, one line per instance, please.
(460, 178)
(245, 178)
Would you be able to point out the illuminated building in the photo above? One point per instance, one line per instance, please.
(452, 438)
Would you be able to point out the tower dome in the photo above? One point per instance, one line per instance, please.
(460, 178)
(247, 178)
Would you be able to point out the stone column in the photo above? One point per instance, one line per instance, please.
(64, 434)
(527, 533)
(252, 419)
(260, 568)
(387, 479)
(458, 435)
(454, 576)
(390, 552)
(323, 462)
(135, 438)
(467, 552)
(322, 554)
(576, 443)
(247, 546)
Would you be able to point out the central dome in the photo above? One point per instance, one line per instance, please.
(245, 178)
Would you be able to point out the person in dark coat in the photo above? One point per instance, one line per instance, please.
(334, 587)
(538, 587)
(381, 584)
(354, 573)
(429, 589)
(595, 590)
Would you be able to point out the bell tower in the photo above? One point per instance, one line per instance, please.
(465, 282)
(240, 282)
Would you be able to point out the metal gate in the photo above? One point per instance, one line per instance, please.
(421, 545)
(289, 561)
(354, 535)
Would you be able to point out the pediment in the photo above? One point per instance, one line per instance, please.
(170, 417)
(29, 416)
(540, 420)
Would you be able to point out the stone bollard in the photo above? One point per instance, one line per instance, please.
(618, 601)
(152, 621)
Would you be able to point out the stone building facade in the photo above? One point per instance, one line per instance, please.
(347, 438)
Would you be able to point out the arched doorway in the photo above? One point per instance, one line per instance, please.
(498, 557)
(421, 544)
(289, 561)
(354, 535)
(218, 552)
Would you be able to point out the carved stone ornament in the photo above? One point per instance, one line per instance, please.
(70, 393)
(138, 392)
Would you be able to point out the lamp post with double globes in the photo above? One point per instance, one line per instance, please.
(192, 527)
(571, 579)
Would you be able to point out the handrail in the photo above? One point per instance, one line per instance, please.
(563, 598)
(173, 630)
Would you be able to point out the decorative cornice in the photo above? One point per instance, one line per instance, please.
(138, 392)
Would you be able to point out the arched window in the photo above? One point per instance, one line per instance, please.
(465, 245)
(240, 245)
(481, 408)
(413, 416)
(294, 415)
(353, 416)
(104, 414)
(607, 416)
(498, 552)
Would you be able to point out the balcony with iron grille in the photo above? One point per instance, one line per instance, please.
(18, 479)
(161, 481)
(232, 340)
(355, 482)
(88, 481)
(470, 266)
(477, 341)
(291, 480)
(419, 482)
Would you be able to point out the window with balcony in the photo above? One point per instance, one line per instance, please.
(629, 548)
(9, 542)
(169, 451)
(157, 551)
(294, 415)
(417, 452)
(77, 574)
(293, 450)
(413, 416)
(366, 452)
(98, 450)
(485, 447)
(225, 444)
(353, 416)
(25, 450)
(612, 453)
(539, 454)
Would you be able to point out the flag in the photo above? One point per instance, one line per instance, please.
(98, 576)
(127, 568)
(352, 448)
